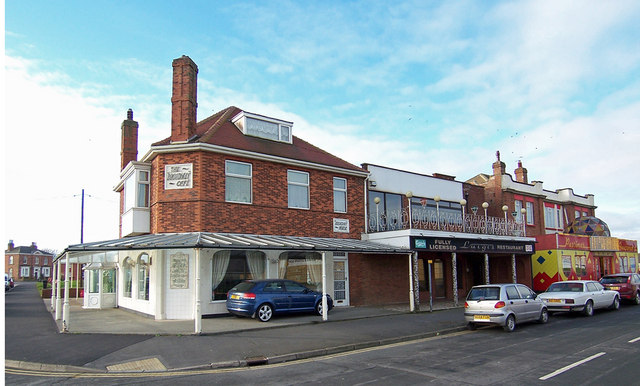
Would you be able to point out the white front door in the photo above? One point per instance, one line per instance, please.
(340, 281)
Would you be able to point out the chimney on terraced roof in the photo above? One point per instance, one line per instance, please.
(521, 174)
(184, 99)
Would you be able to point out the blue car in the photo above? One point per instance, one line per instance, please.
(264, 298)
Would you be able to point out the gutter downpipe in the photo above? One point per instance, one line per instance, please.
(198, 309)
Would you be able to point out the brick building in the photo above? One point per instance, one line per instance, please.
(27, 262)
(234, 196)
(571, 243)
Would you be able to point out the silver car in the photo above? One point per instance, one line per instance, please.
(503, 305)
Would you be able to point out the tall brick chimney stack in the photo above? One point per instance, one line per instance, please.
(129, 144)
(184, 99)
(521, 173)
(499, 167)
(10, 245)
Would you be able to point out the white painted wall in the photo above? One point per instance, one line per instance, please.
(400, 182)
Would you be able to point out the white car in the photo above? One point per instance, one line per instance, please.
(579, 295)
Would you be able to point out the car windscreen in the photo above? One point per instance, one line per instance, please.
(614, 280)
(243, 287)
(484, 293)
(565, 287)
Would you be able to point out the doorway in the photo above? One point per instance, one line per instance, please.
(340, 281)
(438, 278)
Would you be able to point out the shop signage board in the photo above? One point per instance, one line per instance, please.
(443, 244)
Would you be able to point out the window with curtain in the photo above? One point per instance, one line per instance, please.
(232, 267)
(518, 210)
(339, 195)
(238, 182)
(128, 277)
(143, 189)
(298, 189)
(143, 277)
(303, 267)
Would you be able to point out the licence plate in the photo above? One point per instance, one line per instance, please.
(481, 317)
(555, 301)
(615, 288)
(235, 296)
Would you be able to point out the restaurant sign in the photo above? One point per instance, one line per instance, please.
(442, 244)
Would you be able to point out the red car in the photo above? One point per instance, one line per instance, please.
(627, 284)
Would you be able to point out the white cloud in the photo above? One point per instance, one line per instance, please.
(57, 143)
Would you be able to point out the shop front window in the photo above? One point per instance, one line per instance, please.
(128, 277)
(143, 277)
(303, 267)
(232, 267)
(566, 266)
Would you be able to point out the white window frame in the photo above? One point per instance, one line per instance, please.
(517, 204)
(37, 260)
(240, 176)
(10, 260)
(530, 214)
(25, 271)
(294, 183)
(339, 191)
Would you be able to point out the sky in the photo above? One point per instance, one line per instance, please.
(424, 86)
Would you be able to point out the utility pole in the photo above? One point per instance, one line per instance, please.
(82, 220)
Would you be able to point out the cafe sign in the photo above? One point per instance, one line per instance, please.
(179, 176)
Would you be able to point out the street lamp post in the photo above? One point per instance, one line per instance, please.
(437, 200)
(463, 203)
(485, 205)
(409, 194)
(377, 202)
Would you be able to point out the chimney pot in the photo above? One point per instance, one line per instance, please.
(130, 115)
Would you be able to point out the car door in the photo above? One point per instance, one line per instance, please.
(601, 298)
(301, 298)
(532, 305)
(275, 292)
(516, 303)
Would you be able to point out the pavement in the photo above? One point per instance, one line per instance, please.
(117, 340)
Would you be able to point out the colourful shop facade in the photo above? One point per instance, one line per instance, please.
(563, 256)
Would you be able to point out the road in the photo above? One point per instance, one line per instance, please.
(603, 349)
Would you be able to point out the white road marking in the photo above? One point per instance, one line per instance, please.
(569, 367)
(634, 340)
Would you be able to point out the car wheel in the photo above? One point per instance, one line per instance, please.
(510, 323)
(472, 326)
(636, 299)
(319, 308)
(588, 308)
(544, 316)
(616, 303)
(265, 312)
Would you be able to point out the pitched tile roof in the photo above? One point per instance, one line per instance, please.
(219, 130)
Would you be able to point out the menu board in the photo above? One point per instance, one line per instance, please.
(179, 271)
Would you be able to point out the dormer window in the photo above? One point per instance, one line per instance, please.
(263, 127)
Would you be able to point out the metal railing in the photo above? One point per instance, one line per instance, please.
(428, 219)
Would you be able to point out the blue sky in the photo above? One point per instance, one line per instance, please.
(421, 86)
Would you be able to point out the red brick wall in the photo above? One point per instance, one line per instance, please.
(203, 208)
(378, 279)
